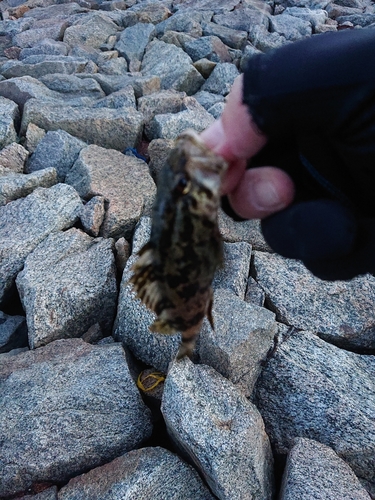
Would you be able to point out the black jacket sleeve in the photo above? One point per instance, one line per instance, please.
(316, 98)
(321, 92)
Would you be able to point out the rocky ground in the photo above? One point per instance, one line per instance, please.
(280, 399)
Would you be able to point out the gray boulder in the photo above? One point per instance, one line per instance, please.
(227, 441)
(13, 332)
(68, 284)
(143, 474)
(57, 149)
(173, 66)
(71, 85)
(208, 99)
(170, 125)
(209, 47)
(132, 43)
(159, 150)
(93, 30)
(24, 223)
(323, 393)
(52, 30)
(45, 46)
(134, 319)
(236, 39)
(142, 84)
(232, 275)
(38, 66)
(340, 311)
(14, 186)
(244, 19)
(78, 406)
(123, 98)
(248, 230)
(115, 129)
(9, 116)
(124, 181)
(290, 27)
(243, 335)
(92, 215)
(221, 79)
(13, 158)
(314, 471)
(163, 102)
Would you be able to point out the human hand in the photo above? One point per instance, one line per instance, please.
(258, 192)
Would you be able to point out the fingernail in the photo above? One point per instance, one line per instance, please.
(265, 197)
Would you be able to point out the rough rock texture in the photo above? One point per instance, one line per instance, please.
(13, 158)
(13, 332)
(14, 186)
(24, 223)
(324, 393)
(75, 403)
(9, 115)
(314, 471)
(243, 335)
(124, 181)
(57, 149)
(143, 474)
(300, 299)
(226, 441)
(68, 265)
(110, 128)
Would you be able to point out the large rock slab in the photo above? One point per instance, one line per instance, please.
(109, 128)
(66, 408)
(37, 66)
(243, 335)
(13, 332)
(14, 185)
(24, 223)
(314, 470)
(92, 30)
(340, 311)
(173, 66)
(134, 318)
(170, 125)
(323, 393)
(9, 116)
(68, 284)
(227, 441)
(124, 181)
(143, 474)
(57, 149)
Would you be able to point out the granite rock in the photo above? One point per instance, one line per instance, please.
(291, 27)
(76, 403)
(314, 471)
(33, 36)
(24, 223)
(71, 84)
(68, 283)
(91, 31)
(173, 66)
(115, 129)
(159, 150)
(143, 474)
(209, 47)
(123, 98)
(133, 42)
(40, 65)
(9, 118)
(226, 441)
(92, 215)
(323, 393)
(221, 79)
(46, 46)
(165, 101)
(57, 149)
(235, 39)
(339, 311)
(14, 185)
(238, 346)
(13, 332)
(13, 158)
(124, 181)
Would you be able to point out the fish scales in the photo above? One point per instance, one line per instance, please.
(175, 269)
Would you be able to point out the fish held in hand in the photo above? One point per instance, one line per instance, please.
(174, 270)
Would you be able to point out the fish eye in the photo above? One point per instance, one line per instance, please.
(182, 186)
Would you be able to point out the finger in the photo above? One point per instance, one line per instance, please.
(261, 192)
(234, 135)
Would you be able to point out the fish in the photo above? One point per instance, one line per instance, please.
(173, 272)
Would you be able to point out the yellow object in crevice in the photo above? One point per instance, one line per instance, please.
(157, 376)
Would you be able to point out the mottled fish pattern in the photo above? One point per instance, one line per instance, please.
(174, 270)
